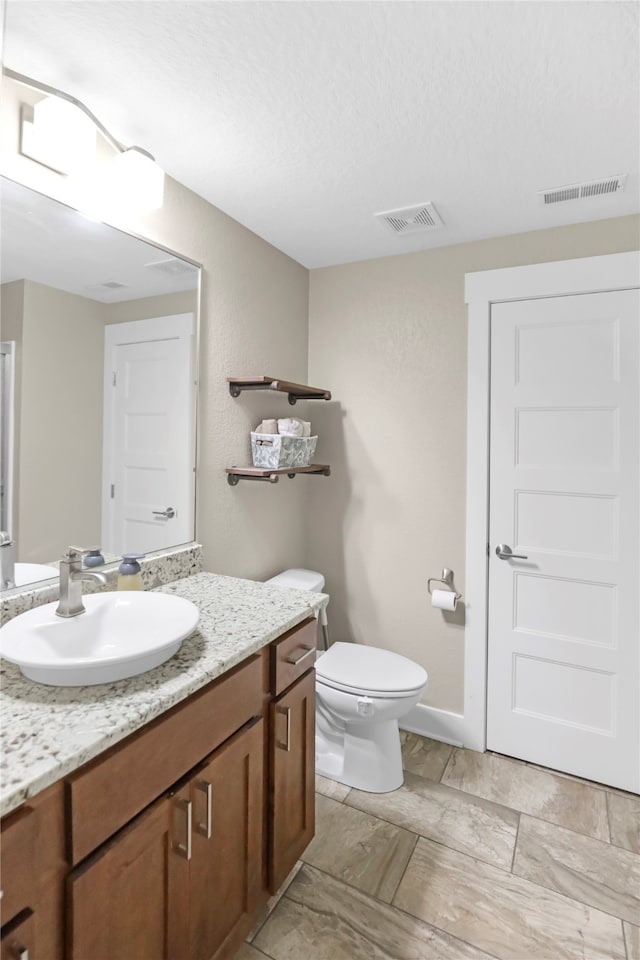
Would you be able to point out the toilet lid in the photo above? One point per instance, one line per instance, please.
(354, 666)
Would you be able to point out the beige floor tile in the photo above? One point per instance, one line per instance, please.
(503, 914)
(632, 940)
(248, 952)
(321, 918)
(624, 820)
(365, 852)
(273, 901)
(560, 800)
(422, 756)
(465, 823)
(331, 788)
(594, 872)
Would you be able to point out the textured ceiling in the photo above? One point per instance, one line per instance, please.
(303, 119)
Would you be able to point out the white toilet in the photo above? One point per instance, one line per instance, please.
(361, 693)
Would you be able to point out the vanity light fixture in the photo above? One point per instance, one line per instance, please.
(56, 133)
(139, 179)
(60, 133)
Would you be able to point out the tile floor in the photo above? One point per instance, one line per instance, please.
(476, 856)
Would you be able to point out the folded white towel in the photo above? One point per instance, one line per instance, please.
(306, 428)
(267, 426)
(290, 427)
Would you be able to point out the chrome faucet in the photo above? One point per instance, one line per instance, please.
(7, 561)
(71, 577)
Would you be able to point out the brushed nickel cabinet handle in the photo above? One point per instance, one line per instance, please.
(287, 744)
(184, 849)
(18, 952)
(206, 828)
(294, 661)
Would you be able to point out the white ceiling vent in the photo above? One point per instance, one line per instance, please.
(173, 267)
(411, 219)
(101, 287)
(582, 191)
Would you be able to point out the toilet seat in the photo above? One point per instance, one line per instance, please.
(369, 671)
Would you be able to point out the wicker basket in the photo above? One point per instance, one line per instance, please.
(271, 450)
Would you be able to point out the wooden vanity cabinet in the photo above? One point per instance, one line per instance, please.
(181, 881)
(165, 846)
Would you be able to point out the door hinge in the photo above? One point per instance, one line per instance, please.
(113, 490)
(113, 379)
(488, 554)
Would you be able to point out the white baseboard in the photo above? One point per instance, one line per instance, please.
(435, 724)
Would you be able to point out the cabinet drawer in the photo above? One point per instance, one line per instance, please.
(292, 655)
(109, 792)
(17, 855)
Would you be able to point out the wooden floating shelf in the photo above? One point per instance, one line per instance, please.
(235, 474)
(296, 391)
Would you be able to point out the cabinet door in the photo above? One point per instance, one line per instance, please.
(18, 940)
(130, 898)
(292, 787)
(227, 795)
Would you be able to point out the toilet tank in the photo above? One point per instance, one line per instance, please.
(301, 579)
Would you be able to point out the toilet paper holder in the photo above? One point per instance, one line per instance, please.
(447, 579)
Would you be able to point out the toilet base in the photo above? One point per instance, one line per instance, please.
(366, 756)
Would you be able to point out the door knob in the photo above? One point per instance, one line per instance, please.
(169, 513)
(504, 552)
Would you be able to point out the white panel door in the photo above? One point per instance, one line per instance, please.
(564, 623)
(149, 435)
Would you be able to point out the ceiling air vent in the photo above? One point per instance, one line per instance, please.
(172, 267)
(581, 191)
(411, 219)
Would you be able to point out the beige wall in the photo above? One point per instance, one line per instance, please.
(253, 321)
(388, 337)
(166, 305)
(60, 471)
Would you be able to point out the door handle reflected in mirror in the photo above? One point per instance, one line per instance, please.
(169, 513)
(504, 552)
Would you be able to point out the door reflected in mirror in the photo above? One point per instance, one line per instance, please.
(98, 366)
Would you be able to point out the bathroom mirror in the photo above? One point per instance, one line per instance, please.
(98, 361)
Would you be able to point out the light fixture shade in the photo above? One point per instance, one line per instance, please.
(139, 180)
(60, 136)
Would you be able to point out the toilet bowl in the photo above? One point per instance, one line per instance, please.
(361, 693)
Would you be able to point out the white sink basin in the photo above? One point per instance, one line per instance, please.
(30, 572)
(120, 635)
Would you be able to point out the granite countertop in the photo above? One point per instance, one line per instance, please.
(47, 732)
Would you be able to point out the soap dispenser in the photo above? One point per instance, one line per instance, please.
(129, 576)
(93, 558)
